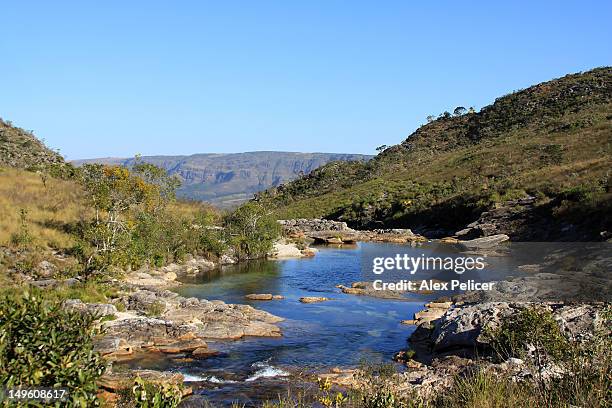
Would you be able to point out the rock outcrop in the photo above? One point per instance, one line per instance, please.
(338, 233)
(461, 330)
(165, 277)
(163, 321)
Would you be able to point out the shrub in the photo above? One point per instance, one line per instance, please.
(22, 239)
(156, 309)
(530, 328)
(149, 395)
(43, 345)
(251, 230)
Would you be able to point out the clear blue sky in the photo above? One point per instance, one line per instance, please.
(114, 78)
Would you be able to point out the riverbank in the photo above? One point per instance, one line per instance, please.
(164, 327)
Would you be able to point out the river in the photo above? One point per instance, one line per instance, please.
(342, 332)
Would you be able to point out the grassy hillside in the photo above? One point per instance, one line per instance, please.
(19, 148)
(227, 180)
(551, 141)
(46, 208)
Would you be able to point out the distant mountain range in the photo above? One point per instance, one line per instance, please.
(226, 180)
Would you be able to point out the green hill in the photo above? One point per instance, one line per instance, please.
(550, 143)
(20, 149)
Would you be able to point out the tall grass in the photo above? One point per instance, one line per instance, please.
(51, 207)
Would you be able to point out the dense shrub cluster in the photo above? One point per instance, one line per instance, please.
(137, 220)
(43, 345)
(530, 331)
(251, 230)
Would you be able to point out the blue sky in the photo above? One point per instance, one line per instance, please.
(116, 78)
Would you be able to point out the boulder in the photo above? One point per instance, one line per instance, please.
(449, 240)
(98, 310)
(112, 345)
(46, 269)
(204, 352)
(285, 251)
(485, 242)
(409, 322)
(463, 327)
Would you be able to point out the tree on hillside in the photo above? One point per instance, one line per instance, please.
(381, 148)
(112, 191)
(164, 184)
(459, 110)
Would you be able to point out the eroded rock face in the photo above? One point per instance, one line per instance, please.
(288, 250)
(338, 233)
(165, 277)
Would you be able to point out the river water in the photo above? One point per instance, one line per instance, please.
(343, 332)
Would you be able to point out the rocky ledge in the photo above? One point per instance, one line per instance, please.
(450, 341)
(338, 233)
(165, 277)
(163, 321)
(367, 289)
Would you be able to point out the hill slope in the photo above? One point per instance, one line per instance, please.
(551, 142)
(21, 149)
(229, 179)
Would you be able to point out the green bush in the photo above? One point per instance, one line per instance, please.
(531, 327)
(138, 221)
(43, 345)
(251, 230)
(148, 395)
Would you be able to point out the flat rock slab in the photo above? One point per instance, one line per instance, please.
(485, 242)
(313, 299)
(263, 296)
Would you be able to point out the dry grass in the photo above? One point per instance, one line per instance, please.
(50, 209)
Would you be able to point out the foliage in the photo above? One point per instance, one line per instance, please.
(113, 192)
(155, 309)
(138, 221)
(328, 398)
(23, 238)
(530, 329)
(43, 345)
(251, 230)
(149, 395)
